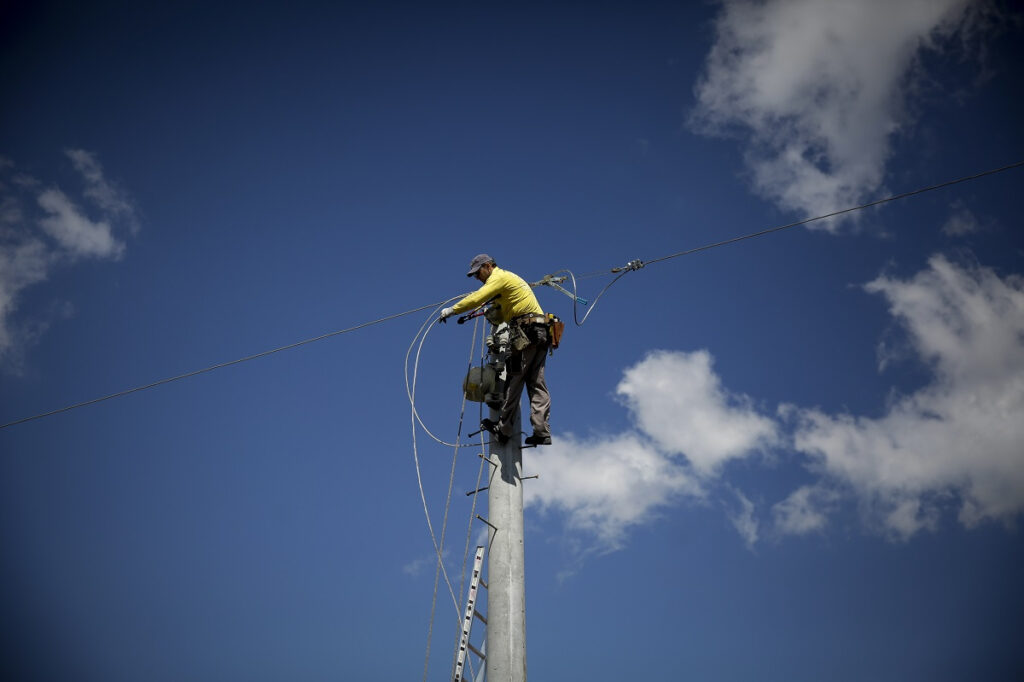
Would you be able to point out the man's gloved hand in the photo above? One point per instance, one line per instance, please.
(445, 314)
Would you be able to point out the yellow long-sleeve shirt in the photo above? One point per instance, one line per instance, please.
(517, 297)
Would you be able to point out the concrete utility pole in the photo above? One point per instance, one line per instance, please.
(506, 568)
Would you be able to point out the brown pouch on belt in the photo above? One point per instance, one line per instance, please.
(555, 329)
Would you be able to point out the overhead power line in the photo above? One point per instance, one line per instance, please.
(211, 368)
(833, 214)
(637, 264)
(631, 266)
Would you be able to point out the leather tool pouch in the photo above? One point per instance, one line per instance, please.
(555, 329)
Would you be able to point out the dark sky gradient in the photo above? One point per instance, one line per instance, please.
(304, 168)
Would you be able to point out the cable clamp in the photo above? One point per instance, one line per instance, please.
(631, 265)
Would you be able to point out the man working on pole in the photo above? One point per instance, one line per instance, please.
(520, 309)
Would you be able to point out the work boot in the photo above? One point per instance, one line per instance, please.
(538, 440)
(491, 426)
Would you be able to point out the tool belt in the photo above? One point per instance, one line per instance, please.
(530, 318)
(528, 329)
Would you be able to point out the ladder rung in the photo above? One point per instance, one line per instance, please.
(477, 652)
(483, 583)
(480, 616)
(488, 523)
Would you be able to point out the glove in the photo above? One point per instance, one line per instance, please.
(445, 314)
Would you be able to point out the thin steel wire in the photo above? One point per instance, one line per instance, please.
(833, 214)
(419, 481)
(447, 506)
(636, 265)
(472, 514)
(221, 365)
(593, 304)
(421, 336)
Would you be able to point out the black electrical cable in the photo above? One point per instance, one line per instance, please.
(168, 380)
(878, 202)
(576, 299)
(638, 264)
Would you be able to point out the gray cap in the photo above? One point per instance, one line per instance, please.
(478, 260)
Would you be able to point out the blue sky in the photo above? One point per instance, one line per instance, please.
(798, 457)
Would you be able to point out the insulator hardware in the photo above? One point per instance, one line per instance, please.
(631, 265)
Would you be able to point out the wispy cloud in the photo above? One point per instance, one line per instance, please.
(105, 194)
(805, 511)
(815, 89)
(415, 566)
(961, 221)
(744, 520)
(76, 235)
(43, 228)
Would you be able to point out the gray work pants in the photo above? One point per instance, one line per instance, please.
(534, 358)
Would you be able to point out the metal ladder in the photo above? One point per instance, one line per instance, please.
(467, 619)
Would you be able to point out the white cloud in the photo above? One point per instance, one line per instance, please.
(23, 262)
(688, 425)
(816, 88)
(961, 221)
(415, 566)
(76, 234)
(744, 521)
(10, 212)
(607, 485)
(110, 199)
(804, 511)
(960, 435)
(959, 440)
(679, 401)
(42, 229)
